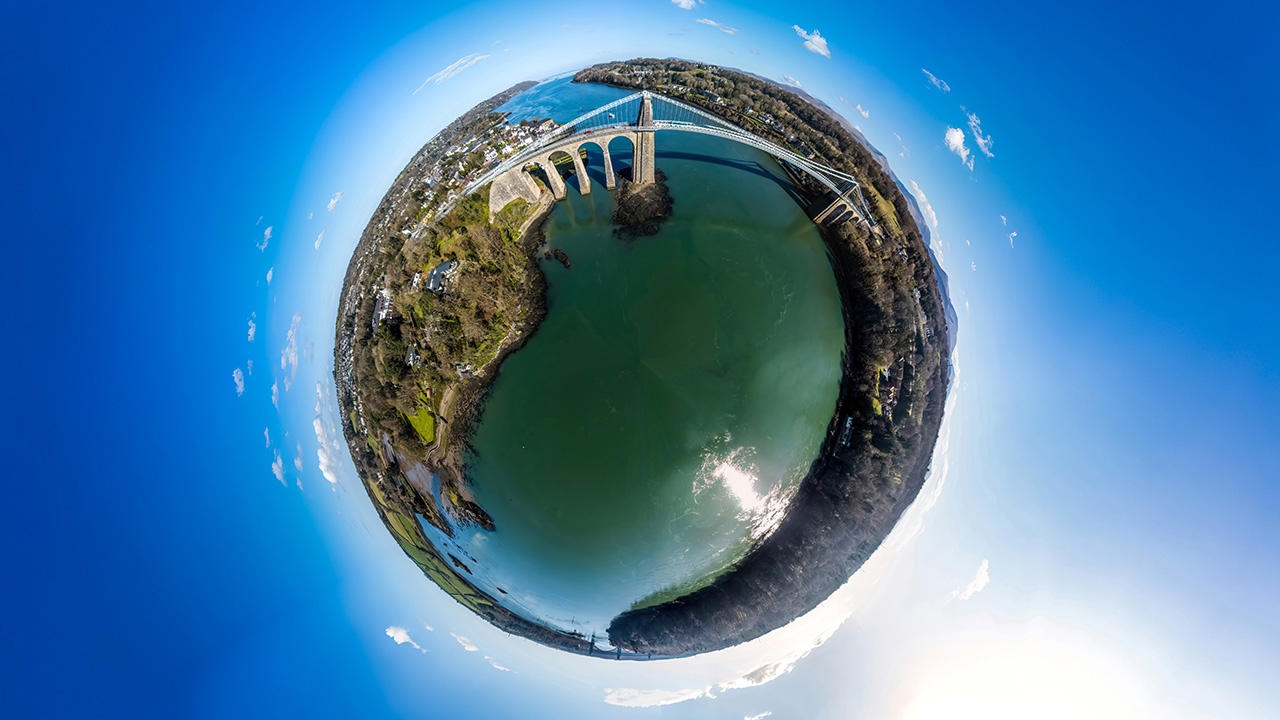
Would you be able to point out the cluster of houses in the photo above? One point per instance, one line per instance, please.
(382, 307)
(893, 378)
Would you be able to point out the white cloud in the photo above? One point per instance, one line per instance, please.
(1004, 221)
(249, 367)
(326, 457)
(238, 377)
(906, 151)
(761, 716)
(862, 112)
(289, 355)
(277, 468)
(297, 459)
(270, 271)
(685, 4)
(310, 214)
(275, 395)
(253, 327)
(925, 207)
(791, 81)
(458, 66)
(496, 665)
(328, 453)
(975, 127)
(465, 643)
(718, 26)
(266, 433)
(955, 143)
(319, 239)
(937, 81)
(630, 697)
(333, 201)
(266, 237)
(1012, 235)
(813, 41)
(975, 585)
(401, 636)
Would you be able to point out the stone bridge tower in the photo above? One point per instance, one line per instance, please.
(642, 164)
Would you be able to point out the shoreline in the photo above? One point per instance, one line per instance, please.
(848, 501)
(468, 403)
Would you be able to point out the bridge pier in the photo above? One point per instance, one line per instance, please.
(584, 182)
(609, 180)
(558, 190)
(642, 164)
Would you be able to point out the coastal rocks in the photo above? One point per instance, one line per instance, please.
(641, 208)
(561, 256)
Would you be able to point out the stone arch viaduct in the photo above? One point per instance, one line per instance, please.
(599, 127)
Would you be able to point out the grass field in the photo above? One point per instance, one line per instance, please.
(424, 423)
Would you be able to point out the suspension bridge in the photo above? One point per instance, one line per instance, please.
(639, 117)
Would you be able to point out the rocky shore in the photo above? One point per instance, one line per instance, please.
(641, 209)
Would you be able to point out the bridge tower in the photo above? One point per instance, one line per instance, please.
(642, 164)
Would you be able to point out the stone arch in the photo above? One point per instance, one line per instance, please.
(543, 167)
(625, 152)
(580, 170)
(602, 148)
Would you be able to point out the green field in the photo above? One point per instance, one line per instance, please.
(425, 423)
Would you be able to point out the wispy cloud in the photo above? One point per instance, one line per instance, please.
(237, 376)
(813, 41)
(1004, 221)
(271, 271)
(253, 327)
(761, 716)
(275, 395)
(937, 81)
(791, 81)
(906, 152)
(687, 4)
(328, 453)
(1012, 235)
(266, 433)
(630, 697)
(277, 468)
(975, 127)
(289, 355)
(333, 201)
(456, 67)
(863, 113)
(975, 585)
(319, 239)
(465, 643)
(401, 636)
(496, 665)
(925, 207)
(266, 238)
(297, 459)
(955, 143)
(718, 26)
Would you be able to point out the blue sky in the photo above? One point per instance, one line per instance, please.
(1096, 537)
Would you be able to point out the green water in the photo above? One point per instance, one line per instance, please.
(666, 410)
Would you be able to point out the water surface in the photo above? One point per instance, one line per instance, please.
(665, 412)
